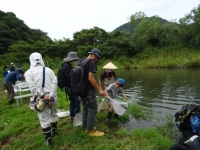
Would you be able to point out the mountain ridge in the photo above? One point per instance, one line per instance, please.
(130, 28)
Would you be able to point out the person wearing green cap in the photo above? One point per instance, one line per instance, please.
(112, 92)
(89, 101)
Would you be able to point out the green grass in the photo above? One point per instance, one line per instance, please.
(165, 58)
(20, 129)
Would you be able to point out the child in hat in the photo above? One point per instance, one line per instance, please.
(112, 92)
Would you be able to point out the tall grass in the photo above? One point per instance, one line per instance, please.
(164, 58)
(168, 57)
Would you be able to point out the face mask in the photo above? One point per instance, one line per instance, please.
(108, 70)
(72, 62)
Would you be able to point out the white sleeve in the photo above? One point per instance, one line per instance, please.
(29, 79)
(53, 83)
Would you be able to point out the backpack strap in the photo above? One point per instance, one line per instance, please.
(63, 67)
(83, 62)
(43, 82)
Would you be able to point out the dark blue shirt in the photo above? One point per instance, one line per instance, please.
(13, 77)
(12, 68)
(5, 72)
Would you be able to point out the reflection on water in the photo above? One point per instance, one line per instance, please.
(164, 90)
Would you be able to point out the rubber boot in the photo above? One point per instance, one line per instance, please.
(10, 102)
(96, 133)
(47, 134)
(116, 116)
(53, 129)
(108, 117)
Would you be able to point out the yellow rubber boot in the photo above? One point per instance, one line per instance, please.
(87, 131)
(96, 133)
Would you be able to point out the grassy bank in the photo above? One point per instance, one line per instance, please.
(149, 58)
(20, 129)
(164, 58)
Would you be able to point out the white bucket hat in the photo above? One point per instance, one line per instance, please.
(72, 56)
(110, 66)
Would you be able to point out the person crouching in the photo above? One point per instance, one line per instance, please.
(112, 92)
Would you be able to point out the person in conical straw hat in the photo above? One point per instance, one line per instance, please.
(108, 76)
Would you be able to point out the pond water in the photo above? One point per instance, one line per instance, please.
(164, 90)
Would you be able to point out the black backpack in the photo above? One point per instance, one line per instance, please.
(181, 115)
(61, 76)
(78, 79)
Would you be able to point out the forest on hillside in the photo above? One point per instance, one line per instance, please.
(17, 40)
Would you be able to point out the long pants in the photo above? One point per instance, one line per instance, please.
(48, 115)
(89, 104)
(74, 102)
(9, 87)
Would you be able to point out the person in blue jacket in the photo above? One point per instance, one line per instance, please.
(5, 71)
(10, 80)
(12, 67)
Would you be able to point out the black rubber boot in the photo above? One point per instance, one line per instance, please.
(10, 102)
(116, 116)
(47, 134)
(53, 129)
(108, 117)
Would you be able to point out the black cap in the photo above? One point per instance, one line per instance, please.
(97, 52)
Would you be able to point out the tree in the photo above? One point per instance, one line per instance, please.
(190, 28)
(87, 39)
(136, 18)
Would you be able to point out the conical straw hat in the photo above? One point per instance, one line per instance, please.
(110, 66)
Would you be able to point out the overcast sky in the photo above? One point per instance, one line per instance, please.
(61, 18)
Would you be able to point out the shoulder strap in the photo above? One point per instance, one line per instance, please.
(43, 79)
(64, 66)
(83, 62)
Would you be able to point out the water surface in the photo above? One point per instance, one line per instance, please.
(164, 90)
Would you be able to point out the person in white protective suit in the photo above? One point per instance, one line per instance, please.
(34, 77)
